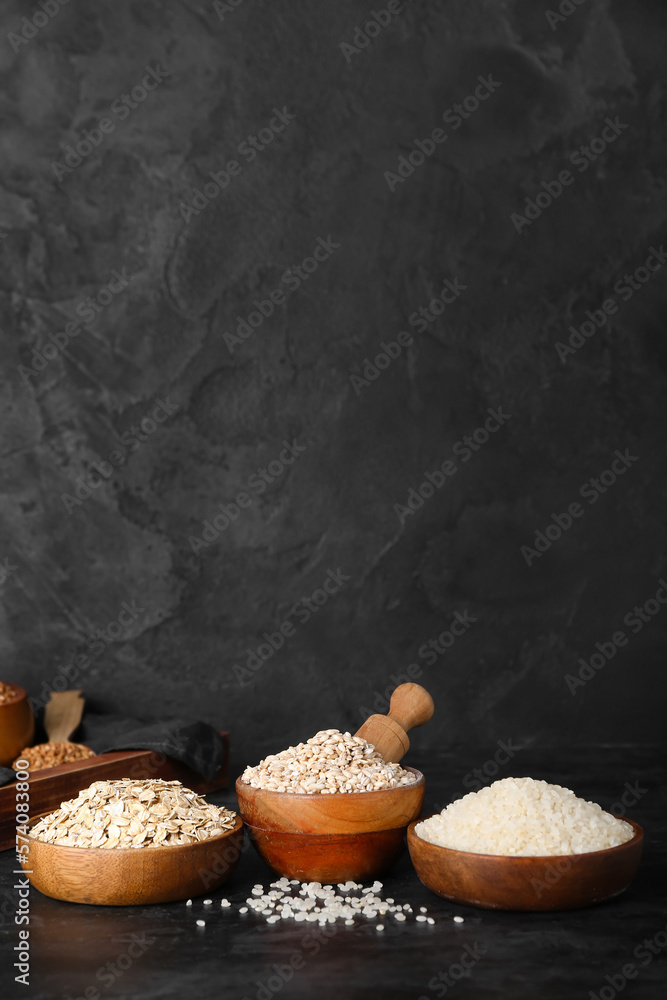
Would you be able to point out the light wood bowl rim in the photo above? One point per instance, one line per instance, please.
(636, 838)
(116, 851)
(313, 796)
(342, 833)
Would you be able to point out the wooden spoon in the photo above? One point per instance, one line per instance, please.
(411, 705)
(62, 715)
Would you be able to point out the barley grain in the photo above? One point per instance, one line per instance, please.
(327, 763)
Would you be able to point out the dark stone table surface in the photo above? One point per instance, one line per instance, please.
(543, 956)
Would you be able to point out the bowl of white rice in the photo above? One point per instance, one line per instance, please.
(524, 844)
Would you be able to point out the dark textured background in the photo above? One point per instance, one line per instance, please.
(163, 337)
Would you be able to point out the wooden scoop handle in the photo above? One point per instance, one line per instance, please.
(411, 705)
(62, 714)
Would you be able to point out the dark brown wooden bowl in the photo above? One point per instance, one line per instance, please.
(129, 876)
(329, 858)
(330, 838)
(17, 726)
(495, 882)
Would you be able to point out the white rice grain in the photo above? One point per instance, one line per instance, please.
(525, 818)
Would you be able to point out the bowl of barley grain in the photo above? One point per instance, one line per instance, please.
(330, 809)
(131, 841)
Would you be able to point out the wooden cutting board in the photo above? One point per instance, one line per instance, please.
(52, 785)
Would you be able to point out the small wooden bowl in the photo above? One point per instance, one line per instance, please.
(17, 726)
(330, 838)
(133, 875)
(495, 882)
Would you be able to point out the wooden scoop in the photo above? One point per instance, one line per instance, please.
(62, 715)
(411, 705)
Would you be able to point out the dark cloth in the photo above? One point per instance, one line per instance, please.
(195, 744)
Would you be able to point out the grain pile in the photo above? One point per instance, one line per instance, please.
(8, 693)
(312, 902)
(527, 818)
(328, 762)
(52, 754)
(134, 813)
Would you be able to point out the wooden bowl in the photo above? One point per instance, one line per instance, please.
(17, 726)
(564, 882)
(128, 876)
(330, 838)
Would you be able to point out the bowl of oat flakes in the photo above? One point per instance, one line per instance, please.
(330, 809)
(130, 841)
(17, 723)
